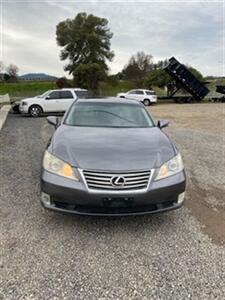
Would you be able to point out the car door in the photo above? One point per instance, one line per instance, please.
(52, 102)
(66, 99)
(139, 95)
(131, 95)
(135, 95)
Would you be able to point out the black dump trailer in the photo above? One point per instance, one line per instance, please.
(184, 80)
(221, 90)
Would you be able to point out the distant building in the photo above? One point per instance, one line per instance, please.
(37, 77)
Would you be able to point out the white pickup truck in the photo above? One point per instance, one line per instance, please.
(51, 101)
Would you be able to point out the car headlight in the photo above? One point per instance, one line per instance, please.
(24, 103)
(57, 166)
(171, 167)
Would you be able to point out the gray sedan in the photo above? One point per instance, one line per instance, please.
(108, 157)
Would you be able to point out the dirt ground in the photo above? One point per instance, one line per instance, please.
(206, 195)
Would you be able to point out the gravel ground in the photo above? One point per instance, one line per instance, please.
(199, 132)
(176, 255)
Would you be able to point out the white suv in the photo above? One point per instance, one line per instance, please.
(145, 96)
(51, 101)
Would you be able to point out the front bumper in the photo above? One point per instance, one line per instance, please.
(66, 195)
(23, 109)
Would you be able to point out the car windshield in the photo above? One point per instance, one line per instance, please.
(120, 115)
(43, 95)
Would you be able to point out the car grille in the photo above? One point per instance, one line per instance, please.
(117, 181)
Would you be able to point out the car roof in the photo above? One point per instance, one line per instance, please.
(141, 90)
(66, 89)
(75, 89)
(116, 100)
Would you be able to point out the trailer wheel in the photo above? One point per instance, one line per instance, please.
(188, 100)
(180, 100)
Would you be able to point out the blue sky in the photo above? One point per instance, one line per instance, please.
(190, 30)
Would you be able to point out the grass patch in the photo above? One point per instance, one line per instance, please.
(113, 88)
(25, 89)
(20, 90)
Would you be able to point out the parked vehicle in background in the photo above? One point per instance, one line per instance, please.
(145, 96)
(51, 101)
(183, 80)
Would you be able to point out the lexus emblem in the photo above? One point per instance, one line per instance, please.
(118, 181)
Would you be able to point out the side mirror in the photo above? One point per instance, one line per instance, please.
(47, 97)
(53, 121)
(162, 123)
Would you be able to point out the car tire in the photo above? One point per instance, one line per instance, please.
(35, 111)
(146, 102)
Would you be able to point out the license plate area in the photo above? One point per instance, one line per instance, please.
(118, 201)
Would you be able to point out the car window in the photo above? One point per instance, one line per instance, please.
(43, 95)
(54, 95)
(81, 94)
(66, 95)
(95, 114)
(150, 93)
(136, 92)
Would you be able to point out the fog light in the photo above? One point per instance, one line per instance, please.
(45, 198)
(181, 198)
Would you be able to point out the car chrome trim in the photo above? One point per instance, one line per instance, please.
(101, 181)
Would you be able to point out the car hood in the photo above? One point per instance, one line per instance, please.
(30, 99)
(112, 149)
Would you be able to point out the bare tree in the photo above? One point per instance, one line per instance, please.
(143, 61)
(2, 66)
(12, 70)
(138, 67)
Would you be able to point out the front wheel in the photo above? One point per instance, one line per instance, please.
(35, 111)
(146, 102)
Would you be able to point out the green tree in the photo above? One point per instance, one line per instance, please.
(138, 67)
(86, 45)
(196, 73)
(158, 77)
(133, 73)
(63, 82)
(161, 64)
